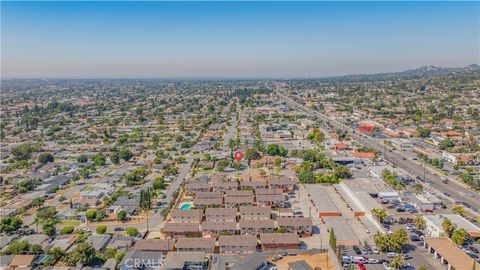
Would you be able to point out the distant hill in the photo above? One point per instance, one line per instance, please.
(422, 72)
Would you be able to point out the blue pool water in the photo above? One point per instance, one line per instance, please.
(186, 206)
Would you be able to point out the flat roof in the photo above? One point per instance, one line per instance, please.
(342, 229)
(452, 254)
(320, 198)
(460, 221)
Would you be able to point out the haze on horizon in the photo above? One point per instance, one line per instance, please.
(233, 39)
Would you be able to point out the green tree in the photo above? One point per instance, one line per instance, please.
(99, 160)
(397, 262)
(115, 158)
(132, 231)
(252, 154)
(67, 230)
(460, 236)
(49, 228)
(418, 188)
(57, 253)
(38, 202)
(380, 214)
(276, 150)
(121, 215)
(10, 224)
(84, 254)
(419, 222)
(44, 158)
(446, 144)
(448, 226)
(146, 202)
(342, 172)
(101, 229)
(332, 240)
(458, 210)
(158, 183)
(126, 154)
(23, 151)
(82, 158)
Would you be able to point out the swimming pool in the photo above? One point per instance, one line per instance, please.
(186, 206)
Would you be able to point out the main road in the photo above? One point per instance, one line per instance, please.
(457, 192)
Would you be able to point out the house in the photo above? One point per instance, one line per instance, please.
(37, 239)
(110, 264)
(268, 191)
(218, 227)
(207, 202)
(130, 206)
(79, 203)
(283, 182)
(236, 201)
(138, 259)
(279, 241)
(185, 260)
(224, 185)
(190, 215)
(63, 242)
(254, 260)
(173, 229)
(239, 193)
(120, 242)
(197, 244)
(220, 214)
(252, 185)
(99, 242)
(157, 245)
(299, 225)
(237, 243)
(255, 212)
(277, 200)
(209, 195)
(193, 187)
(256, 226)
(22, 261)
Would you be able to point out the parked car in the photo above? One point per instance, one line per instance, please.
(415, 238)
(357, 250)
(428, 211)
(391, 255)
(347, 260)
(473, 249)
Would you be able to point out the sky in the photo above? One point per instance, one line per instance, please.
(233, 39)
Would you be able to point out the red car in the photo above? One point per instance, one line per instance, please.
(360, 266)
(428, 211)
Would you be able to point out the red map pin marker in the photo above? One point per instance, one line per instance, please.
(238, 155)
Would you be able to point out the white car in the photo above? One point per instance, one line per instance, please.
(386, 267)
(461, 193)
(392, 254)
(375, 250)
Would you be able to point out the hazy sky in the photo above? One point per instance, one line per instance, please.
(234, 39)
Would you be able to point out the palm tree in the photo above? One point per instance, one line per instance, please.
(397, 262)
(418, 188)
(419, 222)
(380, 214)
(146, 202)
(448, 227)
(458, 210)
